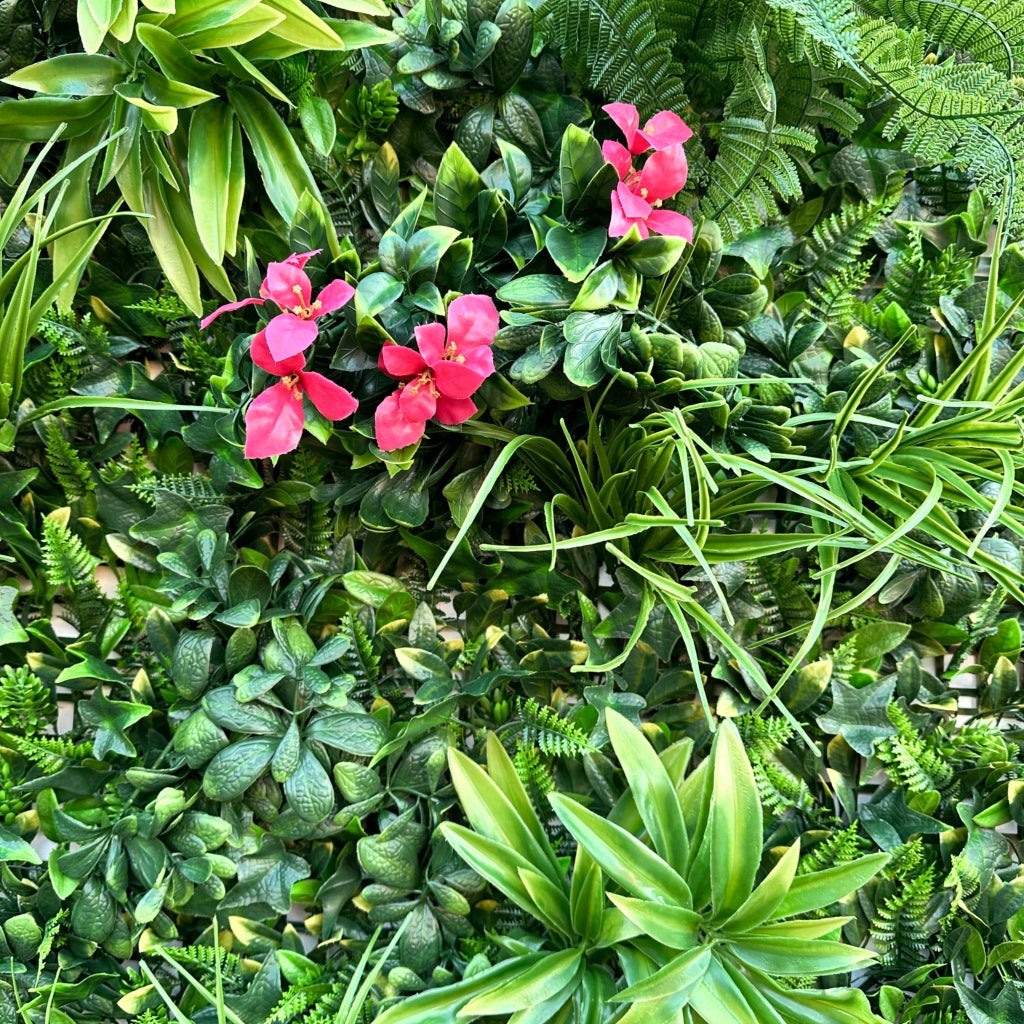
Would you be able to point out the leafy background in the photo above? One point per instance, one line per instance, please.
(760, 494)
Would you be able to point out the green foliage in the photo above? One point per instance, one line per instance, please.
(27, 706)
(616, 48)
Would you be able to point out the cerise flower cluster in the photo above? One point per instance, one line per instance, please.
(438, 380)
(638, 197)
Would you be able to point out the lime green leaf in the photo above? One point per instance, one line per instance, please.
(317, 118)
(622, 856)
(211, 135)
(781, 956)
(823, 888)
(537, 983)
(676, 927)
(651, 788)
(71, 74)
(765, 899)
(735, 823)
(677, 978)
(494, 816)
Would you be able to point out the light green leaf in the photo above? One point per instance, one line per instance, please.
(209, 174)
(735, 824)
(71, 74)
(651, 789)
(622, 856)
(676, 927)
(765, 899)
(823, 888)
(535, 984)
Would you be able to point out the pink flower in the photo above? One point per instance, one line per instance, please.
(438, 379)
(274, 419)
(638, 196)
(294, 328)
(661, 131)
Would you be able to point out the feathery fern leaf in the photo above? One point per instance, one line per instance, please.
(616, 48)
(988, 32)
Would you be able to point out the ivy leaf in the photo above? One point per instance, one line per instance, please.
(13, 847)
(629, 705)
(859, 714)
(10, 629)
(265, 881)
(111, 718)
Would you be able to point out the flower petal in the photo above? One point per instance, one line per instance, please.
(288, 334)
(454, 410)
(259, 351)
(393, 430)
(619, 157)
(329, 399)
(665, 129)
(399, 361)
(273, 423)
(633, 206)
(664, 174)
(456, 380)
(668, 222)
(300, 259)
(227, 308)
(334, 296)
(620, 223)
(430, 339)
(480, 360)
(417, 400)
(287, 284)
(625, 115)
(472, 321)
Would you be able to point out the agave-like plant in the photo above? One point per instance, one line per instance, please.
(663, 897)
(20, 308)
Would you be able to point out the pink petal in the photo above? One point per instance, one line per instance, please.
(668, 222)
(273, 423)
(392, 428)
(260, 353)
(456, 380)
(399, 361)
(300, 259)
(227, 308)
(633, 206)
(664, 174)
(334, 296)
(430, 340)
(620, 223)
(619, 157)
(288, 334)
(454, 410)
(665, 129)
(625, 115)
(416, 401)
(329, 399)
(472, 321)
(480, 360)
(287, 284)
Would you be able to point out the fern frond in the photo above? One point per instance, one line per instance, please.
(360, 660)
(779, 787)
(197, 489)
(51, 753)
(902, 930)
(987, 32)
(70, 469)
(752, 169)
(616, 48)
(65, 558)
(833, 23)
(838, 847)
(544, 728)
